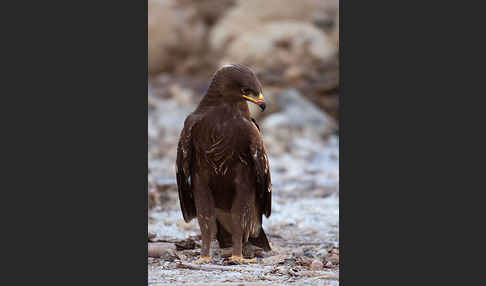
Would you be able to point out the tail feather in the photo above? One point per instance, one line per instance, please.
(225, 240)
(223, 237)
(261, 241)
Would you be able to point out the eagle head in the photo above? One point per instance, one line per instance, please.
(237, 83)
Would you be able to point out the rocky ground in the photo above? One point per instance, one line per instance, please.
(303, 228)
(292, 46)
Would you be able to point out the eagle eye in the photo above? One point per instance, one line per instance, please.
(246, 91)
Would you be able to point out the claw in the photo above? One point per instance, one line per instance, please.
(248, 261)
(203, 260)
(240, 260)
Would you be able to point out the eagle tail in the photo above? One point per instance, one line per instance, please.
(261, 240)
(223, 237)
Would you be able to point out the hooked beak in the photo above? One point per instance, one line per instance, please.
(260, 101)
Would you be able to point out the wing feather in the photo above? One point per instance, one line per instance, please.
(259, 156)
(183, 171)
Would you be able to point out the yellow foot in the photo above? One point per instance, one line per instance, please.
(240, 260)
(203, 259)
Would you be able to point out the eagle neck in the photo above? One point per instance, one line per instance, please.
(241, 108)
(209, 100)
(232, 107)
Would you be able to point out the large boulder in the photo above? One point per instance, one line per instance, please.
(281, 44)
(174, 33)
(247, 15)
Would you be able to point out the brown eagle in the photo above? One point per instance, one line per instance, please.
(223, 175)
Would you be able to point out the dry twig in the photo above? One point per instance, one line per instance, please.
(207, 267)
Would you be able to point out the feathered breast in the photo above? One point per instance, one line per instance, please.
(216, 149)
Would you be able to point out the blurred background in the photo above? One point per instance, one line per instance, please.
(293, 47)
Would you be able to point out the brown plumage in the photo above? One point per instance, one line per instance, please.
(223, 174)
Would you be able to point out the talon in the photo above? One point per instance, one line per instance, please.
(253, 260)
(240, 260)
(235, 259)
(203, 260)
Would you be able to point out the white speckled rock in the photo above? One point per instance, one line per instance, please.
(280, 43)
(251, 14)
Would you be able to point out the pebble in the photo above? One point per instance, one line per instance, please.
(316, 265)
(322, 253)
(334, 259)
(151, 235)
(276, 259)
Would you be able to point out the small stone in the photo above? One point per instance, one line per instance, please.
(151, 236)
(185, 244)
(309, 253)
(289, 262)
(333, 258)
(304, 261)
(298, 252)
(272, 260)
(162, 250)
(316, 265)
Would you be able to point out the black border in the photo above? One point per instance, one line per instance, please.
(341, 140)
(78, 142)
(399, 177)
(77, 137)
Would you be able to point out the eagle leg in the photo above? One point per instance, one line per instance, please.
(241, 218)
(237, 231)
(207, 225)
(206, 217)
